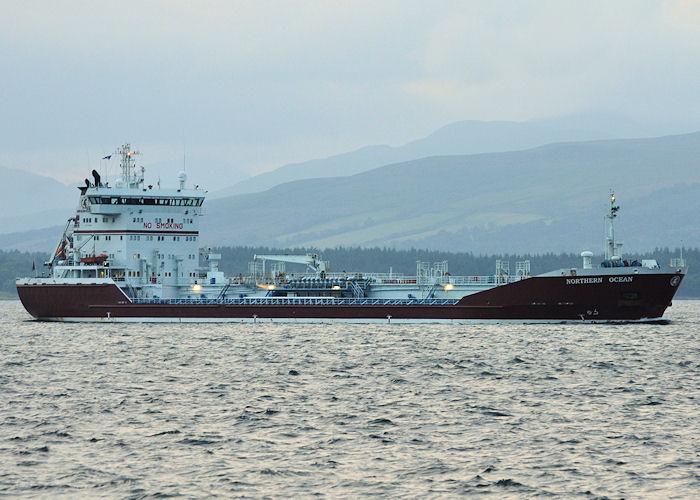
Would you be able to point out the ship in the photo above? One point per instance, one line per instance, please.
(131, 253)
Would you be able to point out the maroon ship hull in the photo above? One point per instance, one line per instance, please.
(545, 298)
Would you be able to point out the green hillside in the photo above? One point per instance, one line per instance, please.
(550, 198)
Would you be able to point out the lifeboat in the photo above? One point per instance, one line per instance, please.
(94, 259)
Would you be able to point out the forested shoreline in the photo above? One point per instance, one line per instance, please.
(234, 261)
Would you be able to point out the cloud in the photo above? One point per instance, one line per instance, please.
(271, 82)
(553, 57)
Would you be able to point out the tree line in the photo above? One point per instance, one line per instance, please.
(16, 264)
(234, 261)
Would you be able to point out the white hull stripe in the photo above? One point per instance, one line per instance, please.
(136, 231)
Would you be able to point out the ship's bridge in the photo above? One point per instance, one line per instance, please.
(115, 200)
(132, 232)
(145, 235)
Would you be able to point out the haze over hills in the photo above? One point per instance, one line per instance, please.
(203, 169)
(32, 201)
(37, 240)
(465, 137)
(550, 198)
(29, 201)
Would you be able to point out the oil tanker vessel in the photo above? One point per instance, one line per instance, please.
(131, 253)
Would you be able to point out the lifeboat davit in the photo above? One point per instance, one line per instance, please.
(94, 259)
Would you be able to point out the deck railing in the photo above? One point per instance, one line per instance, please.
(400, 279)
(294, 301)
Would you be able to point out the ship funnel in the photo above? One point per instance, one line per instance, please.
(182, 177)
(587, 258)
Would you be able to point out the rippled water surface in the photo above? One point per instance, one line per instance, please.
(252, 410)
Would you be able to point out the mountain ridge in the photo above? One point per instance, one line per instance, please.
(29, 198)
(456, 193)
(463, 137)
(542, 199)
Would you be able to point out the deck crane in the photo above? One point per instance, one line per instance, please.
(311, 260)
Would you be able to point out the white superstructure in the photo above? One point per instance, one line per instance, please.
(131, 253)
(141, 236)
(145, 240)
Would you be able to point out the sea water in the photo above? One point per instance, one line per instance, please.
(338, 410)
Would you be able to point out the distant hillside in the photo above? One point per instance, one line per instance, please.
(466, 137)
(17, 264)
(546, 199)
(550, 198)
(31, 201)
(36, 240)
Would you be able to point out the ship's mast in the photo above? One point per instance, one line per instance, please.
(611, 248)
(128, 165)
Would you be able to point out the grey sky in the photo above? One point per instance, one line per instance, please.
(253, 85)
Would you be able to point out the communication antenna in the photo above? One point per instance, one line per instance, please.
(128, 165)
(611, 248)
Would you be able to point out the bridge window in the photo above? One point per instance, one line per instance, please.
(175, 202)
